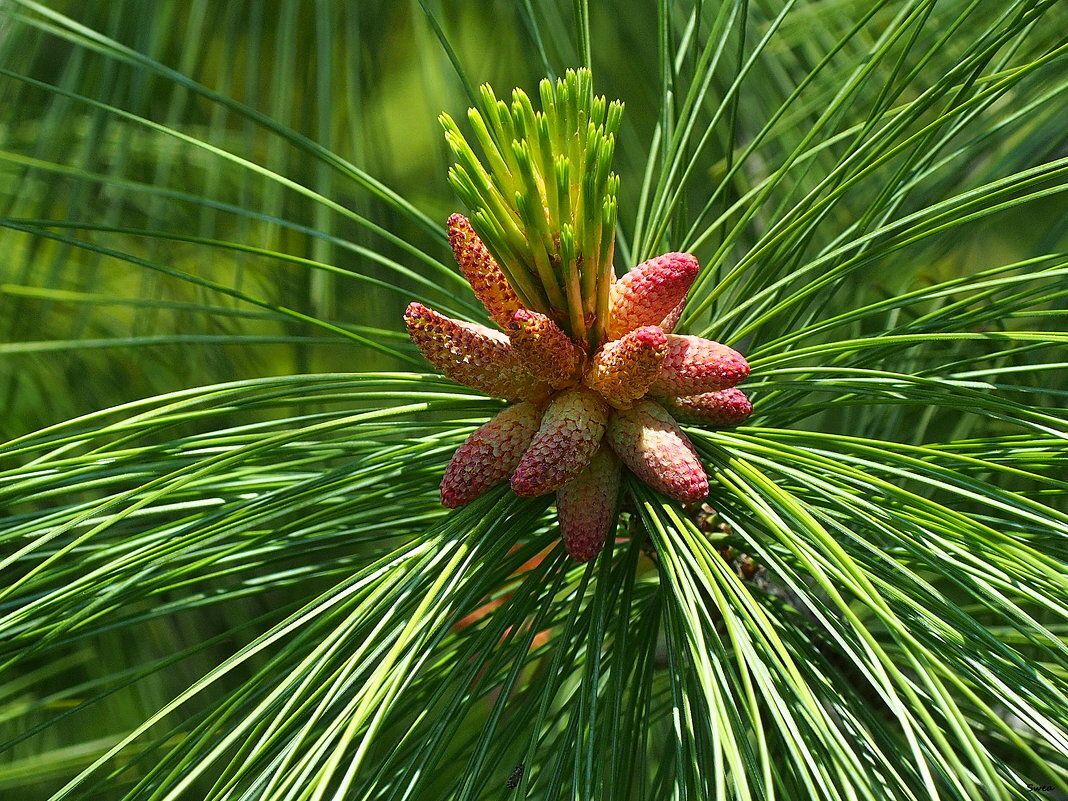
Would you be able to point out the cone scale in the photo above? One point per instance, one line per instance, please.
(586, 506)
(570, 433)
(624, 369)
(470, 354)
(693, 365)
(650, 292)
(726, 407)
(656, 450)
(489, 455)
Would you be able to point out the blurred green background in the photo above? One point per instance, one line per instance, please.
(82, 330)
(174, 254)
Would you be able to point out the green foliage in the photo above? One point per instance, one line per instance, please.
(546, 206)
(226, 571)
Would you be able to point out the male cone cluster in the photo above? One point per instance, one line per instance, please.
(578, 414)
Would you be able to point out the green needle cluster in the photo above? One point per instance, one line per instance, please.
(543, 198)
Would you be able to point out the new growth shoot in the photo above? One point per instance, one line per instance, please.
(543, 196)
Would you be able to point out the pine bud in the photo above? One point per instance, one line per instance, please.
(693, 365)
(489, 455)
(482, 271)
(649, 442)
(570, 432)
(649, 292)
(471, 354)
(544, 349)
(586, 506)
(624, 369)
(724, 407)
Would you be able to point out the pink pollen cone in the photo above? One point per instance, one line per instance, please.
(668, 323)
(693, 365)
(482, 271)
(489, 455)
(471, 354)
(546, 351)
(724, 407)
(623, 369)
(649, 442)
(586, 506)
(649, 292)
(570, 432)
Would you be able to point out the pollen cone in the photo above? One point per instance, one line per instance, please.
(571, 429)
(624, 369)
(482, 271)
(667, 325)
(649, 292)
(546, 351)
(489, 455)
(586, 506)
(693, 365)
(649, 442)
(469, 353)
(724, 407)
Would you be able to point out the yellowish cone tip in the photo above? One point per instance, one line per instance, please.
(570, 432)
(544, 348)
(693, 365)
(471, 354)
(650, 292)
(586, 506)
(656, 450)
(489, 455)
(482, 272)
(724, 407)
(623, 370)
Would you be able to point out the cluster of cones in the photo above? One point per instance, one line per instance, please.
(579, 414)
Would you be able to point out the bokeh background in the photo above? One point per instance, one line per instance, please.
(82, 329)
(189, 189)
